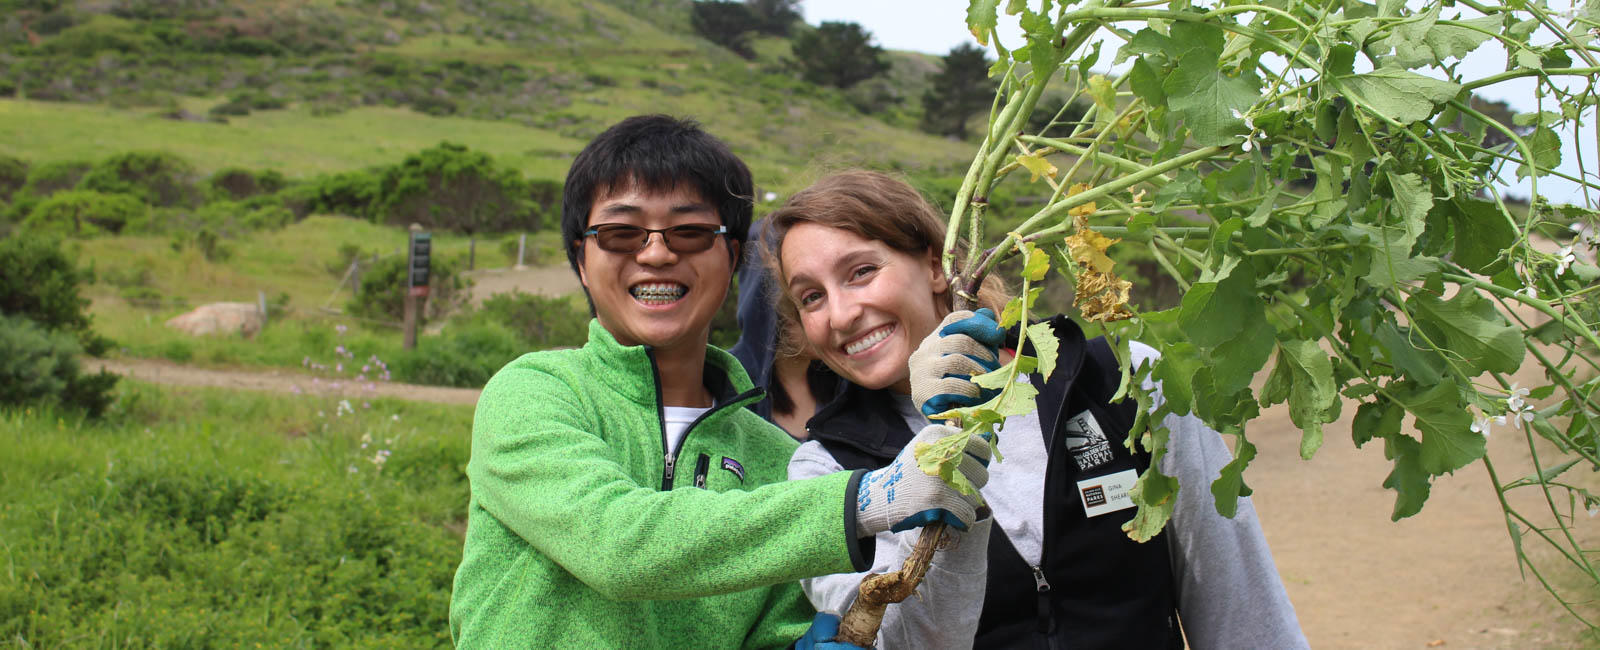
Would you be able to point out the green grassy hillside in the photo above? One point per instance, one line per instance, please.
(360, 83)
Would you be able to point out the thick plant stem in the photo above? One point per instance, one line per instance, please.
(859, 626)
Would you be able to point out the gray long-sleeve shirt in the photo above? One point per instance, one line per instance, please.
(1228, 591)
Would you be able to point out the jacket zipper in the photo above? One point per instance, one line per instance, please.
(670, 454)
(1042, 587)
(700, 470)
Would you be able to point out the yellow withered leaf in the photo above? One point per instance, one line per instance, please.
(1088, 247)
(1082, 210)
(1037, 166)
(1101, 296)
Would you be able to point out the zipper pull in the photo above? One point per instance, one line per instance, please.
(670, 462)
(1039, 583)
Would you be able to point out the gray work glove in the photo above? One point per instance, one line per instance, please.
(966, 344)
(900, 496)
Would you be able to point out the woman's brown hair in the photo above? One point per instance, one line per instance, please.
(874, 206)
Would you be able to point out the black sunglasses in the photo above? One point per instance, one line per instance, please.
(625, 239)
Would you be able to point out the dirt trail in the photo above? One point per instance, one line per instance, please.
(1357, 580)
(278, 381)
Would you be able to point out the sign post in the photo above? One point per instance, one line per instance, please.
(419, 250)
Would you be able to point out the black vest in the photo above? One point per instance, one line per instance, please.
(1104, 590)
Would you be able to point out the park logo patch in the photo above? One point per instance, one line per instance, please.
(1087, 442)
(733, 466)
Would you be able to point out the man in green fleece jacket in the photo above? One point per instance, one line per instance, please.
(621, 494)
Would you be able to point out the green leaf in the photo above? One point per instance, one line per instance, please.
(1016, 400)
(1448, 442)
(1471, 328)
(1045, 345)
(1546, 146)
(1228, 320)
(1012, 313)
(1311, 390)
(1175, 371)
(1425, 367)
(1038, 264)
(1377, 419)
(942, 458)
(1425, 42)
(1401, 95)
(1229, 486)
(1205, 97)
(1482, 231)
(1154, 493)
(1410, 483)
(1144, 82)
(981, 18)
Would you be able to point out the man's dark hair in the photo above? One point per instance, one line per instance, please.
(657, 153)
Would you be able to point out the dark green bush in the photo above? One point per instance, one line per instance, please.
(158, 178)
(44, 180)
(354, 194)
(236, 183)
(383, 290)
(41, 284)
(82, 213)
(466, 356)
(539, 322)
(13, 175)
(40, 367)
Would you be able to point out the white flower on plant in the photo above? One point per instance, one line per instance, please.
(341, 329)
(1528, 291)
(1481, 425)
(344, 407)
(352, 469)
(1514, 399)
(1522, 417)
(1249, 138)
(395, 417)
(1564, 259)
(1594, 508)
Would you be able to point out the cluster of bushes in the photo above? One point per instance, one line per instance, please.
(256, 538)
(327, 83)
(447, 187)
(137, 192)
(476, 344)
(45, 327)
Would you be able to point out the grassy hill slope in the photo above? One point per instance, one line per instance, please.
(364, 83)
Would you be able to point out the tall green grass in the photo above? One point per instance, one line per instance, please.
(211, 518)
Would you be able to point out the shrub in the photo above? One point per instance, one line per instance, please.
(158, 178)
(235, 183)
(81, 213)
(383, 290)
(40, 367)
(13, 175)
(43, 181)
(466, 356)
(41, 284)
(353, 194)
(538, 321)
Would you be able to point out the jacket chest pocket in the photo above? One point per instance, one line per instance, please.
(717, 472)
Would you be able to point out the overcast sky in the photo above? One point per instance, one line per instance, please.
(935, 26)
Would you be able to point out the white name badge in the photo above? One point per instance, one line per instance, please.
(1109, 493)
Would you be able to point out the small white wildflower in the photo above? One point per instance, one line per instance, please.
(1481, 426)
(1564, 259)
(341, 329)
(1594, 509)
(1528, 291)
(395, 417)
(770, 197)
(352, 469)
(1514, 399)
(1522, 417)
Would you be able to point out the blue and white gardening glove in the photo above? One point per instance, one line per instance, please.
(900, 496)
(824, 627)
(966, 344)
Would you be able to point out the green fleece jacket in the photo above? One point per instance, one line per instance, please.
(579, 536)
